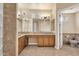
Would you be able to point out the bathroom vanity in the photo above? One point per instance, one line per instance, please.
(43, 40)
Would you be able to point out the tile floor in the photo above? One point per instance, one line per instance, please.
(49, 51)
(0, 52)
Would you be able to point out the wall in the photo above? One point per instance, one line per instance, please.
(9, 31)
(54, 11)
(77, 22)
(72, 25)
(69, 23)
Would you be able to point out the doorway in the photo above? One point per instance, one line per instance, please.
(69, 20)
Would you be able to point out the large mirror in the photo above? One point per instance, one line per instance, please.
(35, 21)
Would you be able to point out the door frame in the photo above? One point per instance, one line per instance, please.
(59, 35)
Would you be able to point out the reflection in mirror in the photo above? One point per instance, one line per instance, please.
(35, 21)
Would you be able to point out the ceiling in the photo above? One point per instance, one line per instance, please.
(64, 5)
(68, 7)
(40, 6)
(48, 6)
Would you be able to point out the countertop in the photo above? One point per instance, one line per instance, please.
(35, 33)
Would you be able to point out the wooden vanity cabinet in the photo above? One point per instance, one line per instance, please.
(48, 40)
(40, 40)
(52, 40)
(22, 43)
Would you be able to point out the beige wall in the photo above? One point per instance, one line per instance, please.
(72, 25)
(69, 25)
(77, 22)
(54, 11)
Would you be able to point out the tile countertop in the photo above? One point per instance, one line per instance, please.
(35, 33)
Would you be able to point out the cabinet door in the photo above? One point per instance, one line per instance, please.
(25, 41)
(22, 42)
(46, 40)
(40, 41)
(19, 45)
(52, 40)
